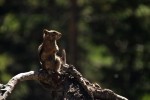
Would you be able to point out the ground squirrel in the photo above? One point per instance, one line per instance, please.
(47, 51)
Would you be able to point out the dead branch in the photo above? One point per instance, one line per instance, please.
(7, 89)
(69, 82)
(94, 90)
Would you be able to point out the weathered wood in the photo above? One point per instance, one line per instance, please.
(68, 85)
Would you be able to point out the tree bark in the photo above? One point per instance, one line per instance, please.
(73, 32)
(69, 85)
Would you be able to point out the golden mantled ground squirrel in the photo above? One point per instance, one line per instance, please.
(47, 51)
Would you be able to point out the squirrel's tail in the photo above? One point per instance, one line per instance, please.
(63, 57)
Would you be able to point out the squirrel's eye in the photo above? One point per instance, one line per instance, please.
(53, 34)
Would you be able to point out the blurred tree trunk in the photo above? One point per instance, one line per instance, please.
(73, 32)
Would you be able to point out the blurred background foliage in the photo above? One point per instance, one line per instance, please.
(107, 40)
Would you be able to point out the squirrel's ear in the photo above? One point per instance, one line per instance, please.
(45, 31)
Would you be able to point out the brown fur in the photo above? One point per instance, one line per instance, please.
(47, 51)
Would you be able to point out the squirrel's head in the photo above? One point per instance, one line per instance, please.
(51, 35)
